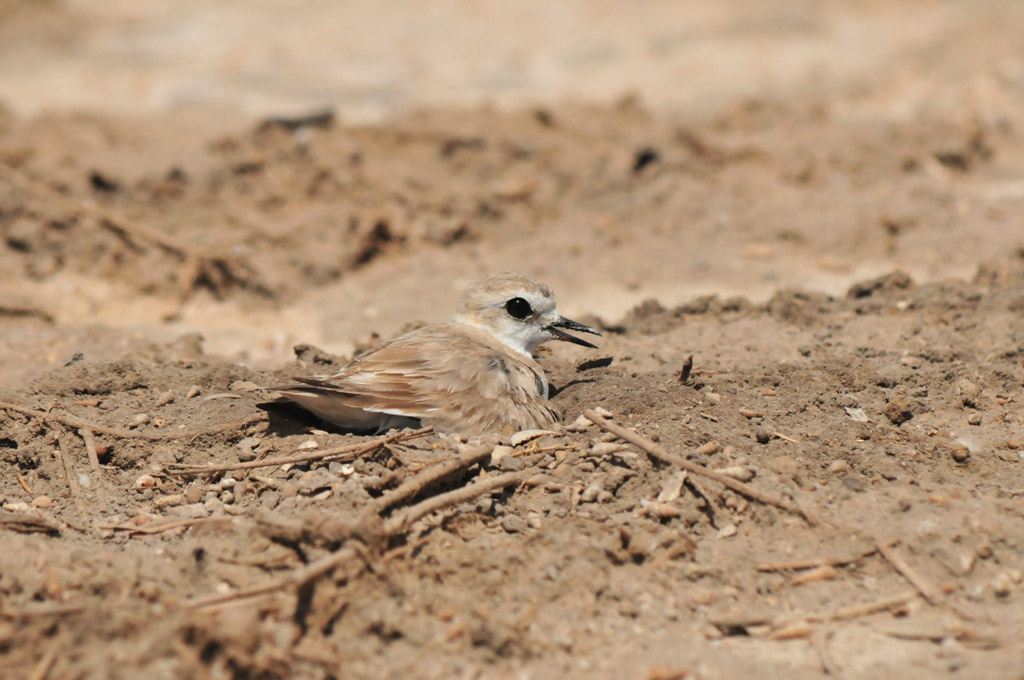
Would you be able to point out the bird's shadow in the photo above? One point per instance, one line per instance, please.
(555, 390)
(288, 418)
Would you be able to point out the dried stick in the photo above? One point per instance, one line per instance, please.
(659, 453)
(400, 521)
(796, 565)
(930, 592)
(78, 424)
(348, 451)
(76, 493)
(297, 578)
(167, 526)
(421, 480)
(867, 609)
(94, 463)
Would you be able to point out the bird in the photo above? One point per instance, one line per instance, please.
(471, 376)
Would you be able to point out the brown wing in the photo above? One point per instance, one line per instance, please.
(449, 376)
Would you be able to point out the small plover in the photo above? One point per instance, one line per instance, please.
(472, 375)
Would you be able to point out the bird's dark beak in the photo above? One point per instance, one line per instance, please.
(555, 330)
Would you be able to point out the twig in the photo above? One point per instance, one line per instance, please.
(45, 665)
(659, 453)
(19, 521)
(94, 463)
(78, 424)
(795, 565)
(867, 609)
(424, 478)
(930, 592)
(400, 521)
(161, 528)
(349, 451)
(76, 493)
(297, 578)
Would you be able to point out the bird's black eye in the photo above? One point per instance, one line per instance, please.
(518, 308)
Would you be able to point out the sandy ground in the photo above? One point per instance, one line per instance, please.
(820, 202)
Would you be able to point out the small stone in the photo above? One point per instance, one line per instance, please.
(194, 492)
(974, 419)
(227, 497)
(42, 502)
(193, 391)
(607, 448)
(165, 398)
(737, 472)
(603, 412)
(513, 524)
(145, 482)
(139, 420)
(510, 463)
(839, 467)
(961, 454)
(580, 424)
(899, 411)
(969, 392)
(535, 520)
(590, 494)
(762, 436)
(709, 449)
(169, 500)
(243, 386)
(524, 436)
(247, 449)
(728, 531)
(713, 397)
(308, 445)
(750, 413)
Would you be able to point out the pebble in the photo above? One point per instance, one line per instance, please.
(713, 397)
(969, 392)
(709, 449)
(659, 510)
(42, 502)
(193, 391)
(750, 413)
(145, 482)
(727, 531)
(961, 454)
(194, 492)
(839, 467)
(510, 463)
(603, 412)
(308, 445)
(247, 448)
(524, 436)
(243, 386)
(737, 472)
(513, 524)
(165, 398)
(227, 497)
(762, 436)
(607, 448)
(139, 420)
(974, 419)
(590, 494)
(169, 500)
(580, 424)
